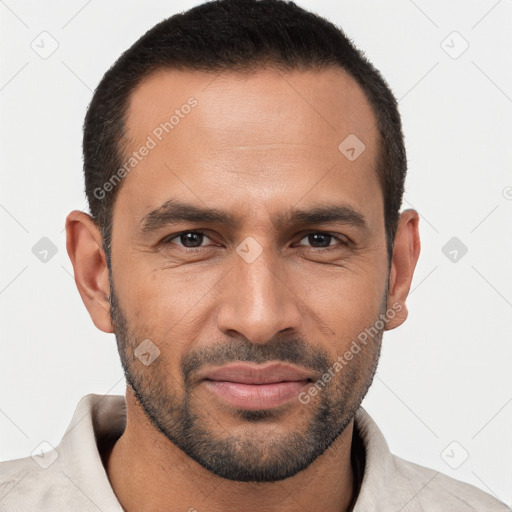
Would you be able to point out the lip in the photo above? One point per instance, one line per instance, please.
(248, 373)
(256, 387)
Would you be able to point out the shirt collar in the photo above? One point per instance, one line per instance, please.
(99, 420)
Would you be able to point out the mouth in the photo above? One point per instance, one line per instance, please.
(256, 396)
(256, 387)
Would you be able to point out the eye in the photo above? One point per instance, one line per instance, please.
(187, 239)
(321, 239)
(194, 239)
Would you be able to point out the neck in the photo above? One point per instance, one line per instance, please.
(148, 472)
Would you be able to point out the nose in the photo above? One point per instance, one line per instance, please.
(258, 300)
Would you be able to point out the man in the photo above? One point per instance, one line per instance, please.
(244, 166)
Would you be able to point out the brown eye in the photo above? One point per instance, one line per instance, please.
(187, 239)
(320, 239)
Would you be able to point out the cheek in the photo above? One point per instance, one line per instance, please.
(168, 306)
(172, 306)
(344, 302)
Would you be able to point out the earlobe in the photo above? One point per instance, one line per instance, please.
(406, 252)
(84, 246)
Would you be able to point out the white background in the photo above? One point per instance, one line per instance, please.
(444, 376)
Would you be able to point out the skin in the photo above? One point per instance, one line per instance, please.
(256, 145)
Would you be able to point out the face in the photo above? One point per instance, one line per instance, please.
(244, 234)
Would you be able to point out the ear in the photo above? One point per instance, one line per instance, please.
(84, 246)
(406, 252)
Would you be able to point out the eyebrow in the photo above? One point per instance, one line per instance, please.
(173, 211)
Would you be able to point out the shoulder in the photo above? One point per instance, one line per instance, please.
(434, 491)
(24, 485)
(71, 475)
(391, 483)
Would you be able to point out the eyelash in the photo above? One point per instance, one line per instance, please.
(168, 239)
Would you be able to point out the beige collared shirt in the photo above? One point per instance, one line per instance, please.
(71, 478)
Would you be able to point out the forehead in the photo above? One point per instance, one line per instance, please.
(268, 134)
(318, 100)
